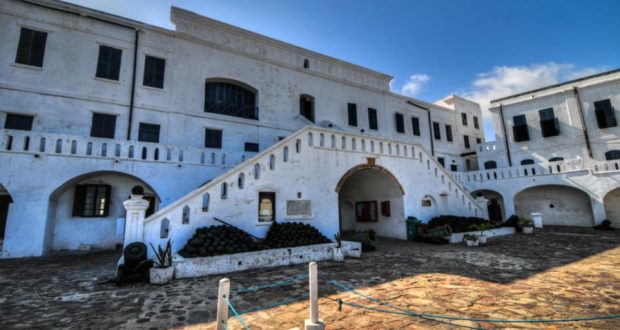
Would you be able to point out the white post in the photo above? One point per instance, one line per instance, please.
(483, 203)
(314, 323)
(134, 222)
(537, 219)
(222, 306)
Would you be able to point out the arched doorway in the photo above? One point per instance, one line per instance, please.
(87, 211)
(5, 203)
(496, 209)
(612, 207)
(559, 205)
(370, 197)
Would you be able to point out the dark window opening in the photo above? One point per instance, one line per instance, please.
(154, 69)
(20, 122)
(306, 107)
(453, 168)
(527, 162)
(31, 47)
(491, 164)
(612, 155)
(556, 159)
(372, 119)
(91, 201)
(230, 100)
(464, 119)
(386, 209)
(441, 161)
(149, 133)
(436, 131)
(415, 122)
(103, 126)
(251, 147)
(478, 140)
(466, 141)
(213, 138)
(520, 130)
(400, 123)
(449, 133)
(366, 211)
(352, 113)
(549, 125)
(605, 114)
(109, 63)
(306, 63)
(476, 123)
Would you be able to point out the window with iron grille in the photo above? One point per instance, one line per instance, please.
(466, 141)
(103, 126)
(91, 201)
(415, 122)
(20, 122)
(109, 63)
(400, 123)
(31, 47)
(436, 131)
(605, 114)
(154, 69)
(251, 147)
(231, 100)
(520, 130)
(352, 114)
(476, 123)
(149, 133)
(306, 107)
(464, 119)
(549, 125)
(213, 138)
(372, 119)
(612, 155)
(449, 133)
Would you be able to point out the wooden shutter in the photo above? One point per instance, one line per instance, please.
(79, 198)
(106, 209)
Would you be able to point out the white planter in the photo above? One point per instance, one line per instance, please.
(354, 253)
(471, 243)
(338, 254)
(161, 275)
(528, 230)
(482, 239)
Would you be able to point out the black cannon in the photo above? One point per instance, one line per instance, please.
(136, 264)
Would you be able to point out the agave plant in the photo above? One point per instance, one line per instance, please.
(338, 239)
(163, 256)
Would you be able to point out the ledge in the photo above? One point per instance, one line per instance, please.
(503, 231)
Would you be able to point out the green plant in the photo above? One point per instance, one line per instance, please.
(481, 226)
(468, 237)
(163, 256)
(525, 222)
(338, 240)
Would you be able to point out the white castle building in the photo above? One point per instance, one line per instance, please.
(214, 121)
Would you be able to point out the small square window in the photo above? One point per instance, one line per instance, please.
(109, 63)
(103, 126)
(149, 133)
(251, 147)
(20, 122)
(400, 123)
(154, 69)
(352, 113)
(213, 138)
(31, 47)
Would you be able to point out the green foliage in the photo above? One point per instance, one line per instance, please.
(468, 237)
(481, 226)
(525, 222)
(163, 256)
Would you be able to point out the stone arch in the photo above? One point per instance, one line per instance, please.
(361, 167)
(611, 202)
(496, 207)
(561, 205)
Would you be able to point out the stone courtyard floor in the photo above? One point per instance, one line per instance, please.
(556, 273)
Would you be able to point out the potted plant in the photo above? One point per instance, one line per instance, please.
(470, 240)
(338, 252)
(162, 271)
(481, 228)
(527, 225)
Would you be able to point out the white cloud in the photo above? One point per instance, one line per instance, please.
(414, 84)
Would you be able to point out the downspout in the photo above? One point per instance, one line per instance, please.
(133, 83)
(583, 122)
(501, 114)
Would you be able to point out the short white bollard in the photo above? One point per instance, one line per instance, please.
(223, 294)
(314, 323)
(537, 219)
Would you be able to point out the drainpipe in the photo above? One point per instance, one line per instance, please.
(501, 114)
(133, 83)
(583, 122)
(430, 124)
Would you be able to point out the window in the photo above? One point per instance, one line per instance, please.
(306, 107)
(306, 64)
(231, 100)
(31, 47)
(442, 161)
(251, 147)
(464, 119)
(224, 190)
(352, 112)
(385, 209)
(520, 130)
(449, 133)
(453, 167)
(109, 63)
(605, 114)
(415, 122)
(266, 206)
(466, 141)
(372, 119)
(213, 138)
(103, 126)
(20, 122)
(205, 202)
(527, 162)
(149, 133)
(400, 123)
(366, 211)
(556, 159)
(549, 125)
(491, 164)
(612, 155)
(154, 69)
(478, 140)
(436, 131)
(91, 201)
(476, 123)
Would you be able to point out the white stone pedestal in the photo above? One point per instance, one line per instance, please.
(134, 222)
(483, 203)
(537, 220)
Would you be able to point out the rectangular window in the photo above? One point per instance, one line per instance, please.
(366, 211)
(453, 167)
(400, 123)
(109, 63)
(520, 130)
(466, 141)
(154, 69)
(386, 209)
(478, 140)
(415, 122)
(372, 119)
(476, 123)
(103, 126)
(441, 161)
(251, 147)
(549, 125)
(149, 133)
(20, 122)
(213, 138)
(91, 201)
(605, 114)
(464, 119)
(436, 131)
(266, 206)
(449, 133)
(31, 47)
(352, 111)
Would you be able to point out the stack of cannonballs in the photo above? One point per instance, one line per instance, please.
(293, 234)
(218, 240)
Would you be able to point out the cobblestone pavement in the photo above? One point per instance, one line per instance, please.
(556, 273)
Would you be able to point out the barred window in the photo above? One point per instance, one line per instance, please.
(231, 100)
(91, 201)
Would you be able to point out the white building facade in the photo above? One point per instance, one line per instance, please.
(210, 120)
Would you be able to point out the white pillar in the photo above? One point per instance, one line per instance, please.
(598, 211)
(483, 203)
(314, 323)
(134, 222)
(222, 306)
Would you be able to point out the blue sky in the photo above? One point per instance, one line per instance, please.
(480, 49)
